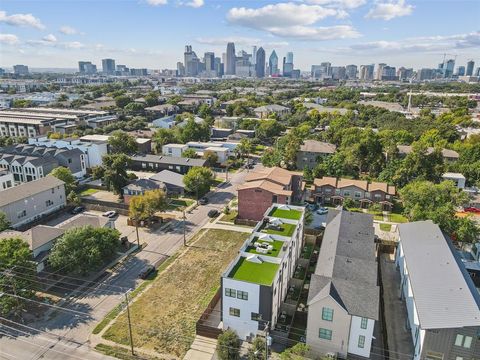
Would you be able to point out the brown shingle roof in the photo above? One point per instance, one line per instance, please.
(265, 185)
(318, 147)
(274, 174)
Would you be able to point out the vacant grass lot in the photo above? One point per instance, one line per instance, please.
(87, 192)
(164, 316)
(179, 204)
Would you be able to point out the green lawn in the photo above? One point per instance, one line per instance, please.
(286, 214)
(262, 274)
(287, 230)
(277, 247)
(87, 192)
(179, 204)
(385, 227)
(165, 314)
(397, 218)
(230, 217)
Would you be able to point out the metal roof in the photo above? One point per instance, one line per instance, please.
(443, 292)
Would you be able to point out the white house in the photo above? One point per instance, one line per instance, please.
(6, 180)
(257, 281)
(457, 178)
(174, 149)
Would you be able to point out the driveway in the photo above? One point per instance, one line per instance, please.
(72, 325)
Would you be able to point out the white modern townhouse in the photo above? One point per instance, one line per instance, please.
(257, 281)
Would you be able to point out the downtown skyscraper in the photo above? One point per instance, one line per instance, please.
(230, 59)
(260, 63)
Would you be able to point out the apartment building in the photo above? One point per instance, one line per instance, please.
(257, 281)
(443, 313)
(31, 162)
(266, 187)
(330, 190)
(222, 149)
(311, 151)
(94, 150)
(448, 154)
(30, 201)
(31, 122)
(343, 298)
(158, 163)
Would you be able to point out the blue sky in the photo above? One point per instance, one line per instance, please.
(152, 33)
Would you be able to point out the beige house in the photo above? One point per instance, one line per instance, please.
(343, 299)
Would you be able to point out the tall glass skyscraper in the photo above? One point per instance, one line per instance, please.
(273, 64)
(260, 63)
(230, 59)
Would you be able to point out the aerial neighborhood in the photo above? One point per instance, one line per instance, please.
(237, 207)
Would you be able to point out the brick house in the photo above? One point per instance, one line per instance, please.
(330, 190)
(263, 188)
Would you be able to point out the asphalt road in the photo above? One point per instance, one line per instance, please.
(65, 335)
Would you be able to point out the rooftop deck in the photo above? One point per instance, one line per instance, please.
(285, 213)
(280, 229)
(276, 247)
(259, 273)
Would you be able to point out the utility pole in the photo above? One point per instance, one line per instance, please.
(136, 229)
(129, 322)
(266, 340)
(184, 230)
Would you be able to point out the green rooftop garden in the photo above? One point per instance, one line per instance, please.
(277, 247)
(262, 274)
(284, 230)
(286, 214)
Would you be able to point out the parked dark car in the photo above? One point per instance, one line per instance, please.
(78, 210)
(203, 201)
(213, 213)
(146, 271)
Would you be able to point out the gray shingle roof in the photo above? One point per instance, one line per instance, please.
(443, 291)
(346, 267)
(169, 177)
(27, 189)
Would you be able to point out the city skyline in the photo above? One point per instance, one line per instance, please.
(397, 32)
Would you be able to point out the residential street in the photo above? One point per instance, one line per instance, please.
(65, 335)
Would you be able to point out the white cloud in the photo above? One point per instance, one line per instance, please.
(68, 30)
(222, 41)
(21, 20)
(8, 39)
(345, 4)
(428, 44)
(157, 2)
(293, 20)
(194, 3)
(50, 38)
(390, 10)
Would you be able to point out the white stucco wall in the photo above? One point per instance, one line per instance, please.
(355, 332)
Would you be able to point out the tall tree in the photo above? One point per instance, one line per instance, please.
(121, 142)
(198, 180)
(115, 175)
(15, 259)
(143, 207)
(211, 157)
(84, 250)
(163, 137)
(65, 174)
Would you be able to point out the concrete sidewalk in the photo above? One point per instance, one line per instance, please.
(202, 348)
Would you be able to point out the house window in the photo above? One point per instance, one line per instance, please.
(325, 334)
(21, 214)
(234, 312)
(361, 341)
(328, 191)
(69, 161)
(53, 191)
(337, 191)
(346, 192)
(378, 197)
(274, 198)
(243, 295)
(48, 203)
(230, 292)
(463, 341)
(358, 194)
(327, 314)
(363, 323)
(256, 317)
